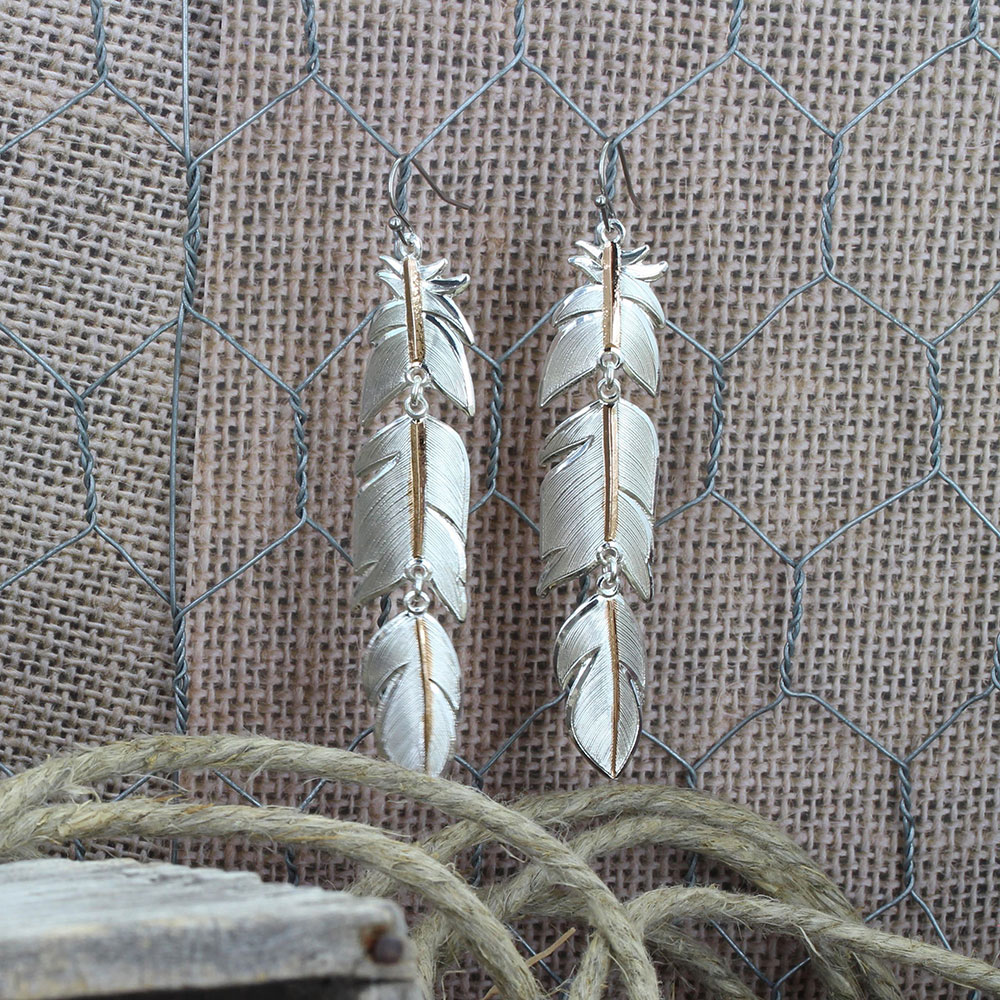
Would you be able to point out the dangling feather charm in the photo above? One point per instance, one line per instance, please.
(411, 510)
(600, 658)
(617, 311)
(413, 503)
(411, 671)
(597, 496)
(599, 490)
(422, 326)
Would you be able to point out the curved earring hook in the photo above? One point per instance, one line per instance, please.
(606, 168)
(396, 188)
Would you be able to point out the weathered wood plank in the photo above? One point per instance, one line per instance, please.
(101, 928)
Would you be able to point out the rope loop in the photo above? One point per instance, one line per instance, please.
(55, 803)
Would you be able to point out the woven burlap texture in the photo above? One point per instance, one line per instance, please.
(91, 218)
(827, 408)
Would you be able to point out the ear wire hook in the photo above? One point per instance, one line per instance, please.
(606, 171)
(397, 191)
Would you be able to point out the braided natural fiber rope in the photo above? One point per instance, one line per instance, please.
(54, 803)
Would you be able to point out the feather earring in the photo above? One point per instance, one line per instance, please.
(597, 496)
(412, 505)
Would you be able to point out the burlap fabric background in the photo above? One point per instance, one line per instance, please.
(827, 408)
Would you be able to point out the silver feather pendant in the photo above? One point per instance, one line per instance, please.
(597, 495)
(616, 311)
(411, 510)
(420, 325)
(600, 657)
(412, 504)
(599, 490)
(411, 672)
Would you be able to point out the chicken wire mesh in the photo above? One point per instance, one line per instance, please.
(147, 108)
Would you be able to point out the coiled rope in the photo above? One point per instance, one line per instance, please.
(56, 802)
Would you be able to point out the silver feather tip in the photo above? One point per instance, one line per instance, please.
(411, 671)
(599, 656)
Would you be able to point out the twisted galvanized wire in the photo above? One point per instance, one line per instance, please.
(181, 604)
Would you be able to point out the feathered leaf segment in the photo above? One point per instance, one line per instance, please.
(597, 496)
(411, 510)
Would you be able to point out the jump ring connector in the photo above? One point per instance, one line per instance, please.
(611, 230)
(609, 555)
(416, 406)
(416, 403)
(416, 374)
(417, 601)
(609, 582)
(610, 361)
(418, 572)
(609, 390)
